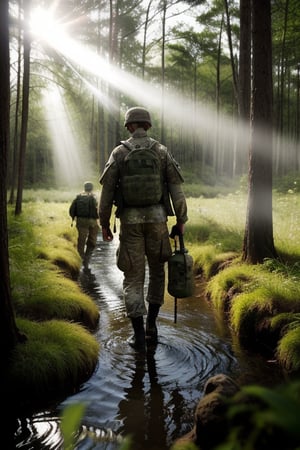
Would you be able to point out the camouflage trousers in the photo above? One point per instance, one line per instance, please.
(87, 237)
(143, 246)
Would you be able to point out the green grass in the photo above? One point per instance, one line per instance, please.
(53, 360)
(249, 297)
(51, 310)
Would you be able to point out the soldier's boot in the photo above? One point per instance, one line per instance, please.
(138, 341)
(151, 328)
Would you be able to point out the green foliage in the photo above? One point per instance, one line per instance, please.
(55, 358)
(70, 421)
(262, 417)
(230, 281)
(59, 352)
(288, 350)
(40, 289)
(287, 184)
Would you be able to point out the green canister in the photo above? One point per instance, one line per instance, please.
(180, 272)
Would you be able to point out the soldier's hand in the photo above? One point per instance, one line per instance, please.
(177, 230)
(107, 234)
(180, 227)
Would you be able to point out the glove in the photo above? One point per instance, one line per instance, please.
(180, 227)
(107, 234)
(177, 230)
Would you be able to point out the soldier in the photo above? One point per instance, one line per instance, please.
(85, 208)
(143, 205)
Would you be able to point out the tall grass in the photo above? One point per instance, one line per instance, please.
(221, 222)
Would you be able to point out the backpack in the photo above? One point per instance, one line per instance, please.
(141, 179)
(84, 205)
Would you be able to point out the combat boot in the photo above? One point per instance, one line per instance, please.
(138, 341)
(151, 328)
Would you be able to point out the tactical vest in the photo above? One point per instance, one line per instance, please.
(141, 178)
(86, 205)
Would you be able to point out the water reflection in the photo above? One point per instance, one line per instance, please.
(142, 411)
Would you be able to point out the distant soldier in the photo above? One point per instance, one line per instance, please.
(139, 177)
(85, 208)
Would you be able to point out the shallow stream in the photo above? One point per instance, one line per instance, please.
(151, 397)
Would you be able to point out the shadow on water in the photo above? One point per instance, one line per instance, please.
(151, 397)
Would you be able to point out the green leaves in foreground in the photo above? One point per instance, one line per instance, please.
(71, 418)
(263, 418)
(282, 407)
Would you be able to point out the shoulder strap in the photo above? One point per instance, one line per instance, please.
(130, 146)
(127, 145)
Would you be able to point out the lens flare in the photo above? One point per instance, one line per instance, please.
(43, 24)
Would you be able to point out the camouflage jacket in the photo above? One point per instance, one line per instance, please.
(172, 180)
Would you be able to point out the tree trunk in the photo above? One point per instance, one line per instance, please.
(162, 130)
(145, 39)
(14, 172)
(245, 60)
(8, 329)
(25, 107)
(244, 84)
(232, 60)
(258, 239)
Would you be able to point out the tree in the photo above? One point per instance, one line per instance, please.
(8, 328)
(244, 83)
(233, 66)
(25, 105)
(258, 238)
(245, 60)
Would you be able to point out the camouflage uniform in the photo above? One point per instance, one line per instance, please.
(143, 230)
(87, 227)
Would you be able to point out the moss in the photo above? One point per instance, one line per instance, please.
(52, 312)
(55, 359)
(288, 351)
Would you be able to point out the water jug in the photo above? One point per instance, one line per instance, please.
(180, 272)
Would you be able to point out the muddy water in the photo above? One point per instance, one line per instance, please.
(151, 397)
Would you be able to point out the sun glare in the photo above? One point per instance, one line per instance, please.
(53, 32)
(43, 25)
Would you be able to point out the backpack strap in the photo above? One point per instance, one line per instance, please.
(130, 146)
(127, 145)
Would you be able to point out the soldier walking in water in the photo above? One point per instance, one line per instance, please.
(144, 181)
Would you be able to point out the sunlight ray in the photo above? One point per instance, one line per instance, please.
(70, 166)
(207, 126)
(141, 91)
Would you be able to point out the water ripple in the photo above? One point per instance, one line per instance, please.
(40, 432)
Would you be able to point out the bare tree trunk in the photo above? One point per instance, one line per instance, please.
(258, 238)
(298, 104)
(162, 130)
(14, 172)
(8, 329)
(216, 149)
(244, 83)
(232, 59)
(245, 60)
(25, 107)
(145, 39)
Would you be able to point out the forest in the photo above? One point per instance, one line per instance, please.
(221, 79)
(76, 66)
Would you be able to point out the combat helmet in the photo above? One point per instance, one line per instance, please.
(137, 114)
(88, 186)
